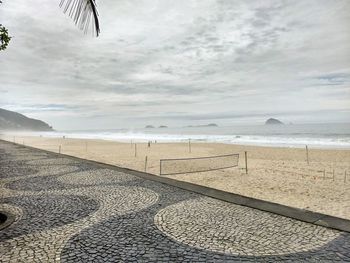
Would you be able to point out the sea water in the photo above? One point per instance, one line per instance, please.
(291, 135)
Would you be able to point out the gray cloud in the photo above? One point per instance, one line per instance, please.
(165, 60)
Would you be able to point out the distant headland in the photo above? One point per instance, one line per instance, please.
(273, 121)
(10, 120)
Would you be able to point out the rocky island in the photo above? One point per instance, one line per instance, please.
(273, 121)
(205, 125)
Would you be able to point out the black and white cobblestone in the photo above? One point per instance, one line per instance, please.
(228, 228)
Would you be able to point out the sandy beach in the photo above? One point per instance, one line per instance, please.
(275, 174)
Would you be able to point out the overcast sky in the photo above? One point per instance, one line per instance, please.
(178, 63)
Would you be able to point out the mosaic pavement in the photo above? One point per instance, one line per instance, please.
(73, 211)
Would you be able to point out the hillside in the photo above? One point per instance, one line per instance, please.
(10, 120)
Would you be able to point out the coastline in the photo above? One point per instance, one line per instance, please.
(321, 136)
(275, 174)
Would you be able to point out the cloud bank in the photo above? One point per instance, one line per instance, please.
(178, 63)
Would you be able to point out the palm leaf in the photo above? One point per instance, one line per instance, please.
(83, 12)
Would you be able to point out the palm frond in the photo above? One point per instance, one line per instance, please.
(83, 12)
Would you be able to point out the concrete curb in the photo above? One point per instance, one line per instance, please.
(283, 210)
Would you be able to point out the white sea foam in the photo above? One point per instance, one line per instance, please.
(322, 136)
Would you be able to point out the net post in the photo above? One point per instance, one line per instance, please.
(135, 150)
(345, 176)
(307, 154)
(246, 162)
(160, 167)
(189, 145)
(146, 163)
(59, 149)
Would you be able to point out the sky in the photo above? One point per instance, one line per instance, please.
(176, 63)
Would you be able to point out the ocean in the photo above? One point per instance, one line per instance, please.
(291, 135)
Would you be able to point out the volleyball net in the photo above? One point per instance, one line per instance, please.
(198, 164)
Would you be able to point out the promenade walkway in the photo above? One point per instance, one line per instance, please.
(69, 210)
